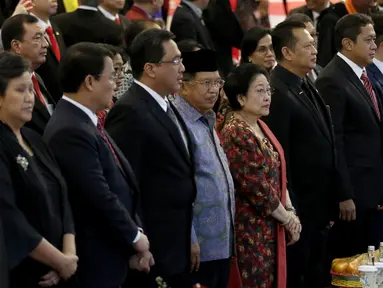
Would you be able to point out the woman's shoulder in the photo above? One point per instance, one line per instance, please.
(234, 127)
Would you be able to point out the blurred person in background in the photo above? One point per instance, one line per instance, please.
(111, 10)
(252, 13)
(23, 35)
(312, 9)
(87, 24)
(43, 10)
(329, 18)
(257, 48)
(118, 77)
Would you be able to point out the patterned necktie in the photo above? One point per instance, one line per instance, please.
(54, 44)
(367, 84)
(174, 118)
(102, 132)
(36, 88)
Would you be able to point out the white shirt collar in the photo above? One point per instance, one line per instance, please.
(316, 14)
(86, 110)
(86, 7)
(357, 69)
(159, 99)
(107, 14)
(378, 64)
(44, 25)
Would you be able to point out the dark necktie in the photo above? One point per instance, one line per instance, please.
(54, 44)
(36, 87)
(174, 118)
(367, 84)
(307, 90)
(102, 132)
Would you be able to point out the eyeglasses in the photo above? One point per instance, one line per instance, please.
(207, 84)
(175, 61)
(264, 49)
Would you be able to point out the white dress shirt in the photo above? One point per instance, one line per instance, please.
(108, 14)
(159, 99)
(86, 7)
(356, 68)
(94, 119)
(49, 106)
(84, 109)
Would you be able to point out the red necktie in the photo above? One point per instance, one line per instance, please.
(36, 87)
(367, 84)
(54, 44)
(117, 20)
(102, 132)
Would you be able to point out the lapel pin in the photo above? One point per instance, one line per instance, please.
(57, 33)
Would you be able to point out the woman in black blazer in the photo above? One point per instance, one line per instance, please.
(35, 213)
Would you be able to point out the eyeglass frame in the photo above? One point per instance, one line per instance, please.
(210, 83)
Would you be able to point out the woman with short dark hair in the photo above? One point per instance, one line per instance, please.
(35, 213)
(263, 207)
(257, 48)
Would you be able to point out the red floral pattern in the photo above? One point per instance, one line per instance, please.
(255, 168)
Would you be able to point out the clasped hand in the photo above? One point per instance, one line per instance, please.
(293, 228)
(141, 261)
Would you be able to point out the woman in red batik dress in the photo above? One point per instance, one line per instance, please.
(263, 207)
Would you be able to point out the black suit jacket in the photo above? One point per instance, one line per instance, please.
(31, 206)
(3, 259)
(358, 132)
(103, 195)
(225, 31)
(154, 147)
(187, 25)
(40, 114)
(308, 143)
(302, 10)
(49, 70)
(125, 22)
(376, 77)
(88, 26)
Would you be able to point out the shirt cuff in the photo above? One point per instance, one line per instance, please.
(138, 236)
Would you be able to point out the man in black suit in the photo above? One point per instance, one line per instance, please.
(102, 187)
(87, 24)
(188, 23)
(225, 31)
(356, 112)
(154, 138)
(301, 122)
(312, 9)
(327, 21)
(23, 35)
(111, 10)
(314, 73)
(48, 71)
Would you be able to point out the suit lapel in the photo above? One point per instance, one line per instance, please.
(357, 83)
(164, 120)
(124, 165)
(40, 152)
(202, 30)
(298, 92)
